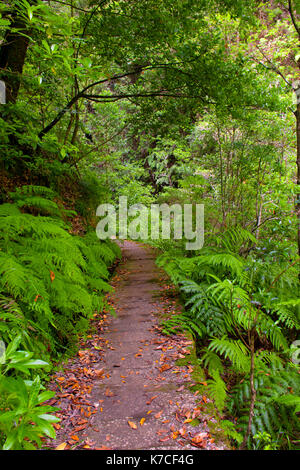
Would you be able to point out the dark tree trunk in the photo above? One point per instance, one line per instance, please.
(298, 169)
(12, 55)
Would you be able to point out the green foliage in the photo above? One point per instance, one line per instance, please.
(192, 107)
(277, 402)
(24, 419)
(54, 281)
(227, 298)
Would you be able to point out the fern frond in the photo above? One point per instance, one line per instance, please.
(217, 389)
(234, 350)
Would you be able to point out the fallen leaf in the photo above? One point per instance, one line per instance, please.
(151, 399)
(164, 368)
(61, 446)
(132, 425)
(142, 421)
(198, 439)
(164, 439)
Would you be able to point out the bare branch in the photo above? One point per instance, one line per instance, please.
(291, 11)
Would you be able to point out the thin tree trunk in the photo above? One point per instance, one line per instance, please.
(252, 389)
(298, 170)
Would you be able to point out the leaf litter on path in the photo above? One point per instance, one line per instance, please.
(81, 407)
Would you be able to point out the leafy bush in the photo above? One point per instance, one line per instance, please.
(51, 281)
(244, 313)
(51, 284)
(24, 420)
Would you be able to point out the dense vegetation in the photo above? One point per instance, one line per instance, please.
(181, 101)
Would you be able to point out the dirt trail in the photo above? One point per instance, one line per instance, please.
(141, 400)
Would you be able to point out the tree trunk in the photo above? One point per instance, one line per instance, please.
(12, 55)
(298, 170)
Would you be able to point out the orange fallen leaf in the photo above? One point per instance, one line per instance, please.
(151, 399)
(75, 437)
(142, 421)
(164, 368)
(158, 415)
(61, 446)
(132, 425)
(164, 439)
(198, 439)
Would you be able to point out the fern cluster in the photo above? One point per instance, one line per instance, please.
(228, 298)
(51, 281)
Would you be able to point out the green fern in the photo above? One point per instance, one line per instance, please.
(58, 280)
(233, 350)
(217, 389)
(272, 407)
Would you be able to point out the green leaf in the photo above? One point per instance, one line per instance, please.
(50, 418)
(10, 442)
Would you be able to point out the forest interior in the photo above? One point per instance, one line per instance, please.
(149, 225)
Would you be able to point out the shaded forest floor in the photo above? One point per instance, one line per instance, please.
(130, 386)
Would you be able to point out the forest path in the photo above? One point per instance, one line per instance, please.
(138, 393)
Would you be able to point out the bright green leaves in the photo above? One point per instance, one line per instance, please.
(25, 419)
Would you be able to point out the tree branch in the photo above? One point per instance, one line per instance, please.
(297, 28)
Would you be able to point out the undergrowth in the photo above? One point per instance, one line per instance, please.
(52, 283)
(243, 312)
